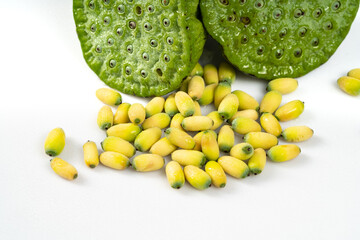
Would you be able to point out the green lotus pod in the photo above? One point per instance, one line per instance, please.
(142, 47)
(272, 39)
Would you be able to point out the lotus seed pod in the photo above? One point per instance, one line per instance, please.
(197, 71)
(91, 154)
(209, 145)
(355, 73)
(185, 85)
(197, 123)
(176, 121)
(257, 162)
(248, 113)
(226, 138)
(156, 105)
(145, 48)
(270, 124)
(148, 162)
(163, 147)
(297, 134)
(170, 105)
(55, 142)
(243, 125)
(196, 87)
(147, 138)
(283, 153)
(261, 140)
(234, 167)
(208, 95)
(105, 118)
(121, 115)
(283, 85)
(246, 101)
(114, 160)
(217, 174)
(116, 144)
(189, 157)
(350, 85)
(160, 120)
(242, 151)
(185, 104)
(226, 73)
(197, 139)
(197, 178)
(290, 111)
(270, 102)
(137, 113)
(275, 39)
(228, 106)
(126, 131)
(109, 96)
(175, 174)
(63, 168)
(218, 121)
(211, 74)
(180, 138)
(221, 90)
(197, 109)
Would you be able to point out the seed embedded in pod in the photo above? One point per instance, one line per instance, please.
(283, 33)
(336, 5)
(110, 41)
(263, 30)
(244, 39)
(224, 2)
(297, 52)
(93, 28)
(279, 53)
(119, 31)
(328, 25)
(277, 13)
(165, 2)
(298, 13)
(302, 31)
(129, 48)
(153, 43)
(91, 5)
(166, 22)
(138, 10)
(317, 13)
(260, 50)
(112, 63)
(98, 49)
(242, 2)
(315, 42)
(145, 56)
(143, 73)
(170, 40)
(151, 8)
(121, 9)
(147, 26)
(106, 20)
(132, 24)
(259, 4)
(166, 58)
(106, 1)
(128, 70)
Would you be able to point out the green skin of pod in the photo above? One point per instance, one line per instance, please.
(272, 39)
(145, 48)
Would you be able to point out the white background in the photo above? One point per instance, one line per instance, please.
(45, 83)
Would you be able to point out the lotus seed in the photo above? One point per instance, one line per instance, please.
(231, 18)
(112, 63)
(98, 49)
(283, 33)
(93, 28)
(132, 25)
(336, 5)
(153, 43)
(147, 26)
(106, 20)
(151, 8)
(245, 20)
(242, 2)
(165, 2)
(166, 58)
(298, 13)
(302, 31)
(128, 70)
(260, 50)
(259, 4)
(170, 40)
(244, 39)
(166, 22)
(279, 53)
(91, 5)
(129, 48)
(119, 31)
(297, 52)
(263, 30)
(106, 2)
(328, 25)
(277, 13)
(143, 73)
(110, 41)
(145, 56)
(224, 2)
(317, 13)
(138, 10)
(315, 42)
(121, 8)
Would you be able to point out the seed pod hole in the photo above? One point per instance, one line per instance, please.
(129, 48)
(119, 31)
(93, 28)
(263, 30)
(147, 26)
(302, 31)
(298, 13)
(315, 42)
(91, 5)
(121, 9)
(260, 50)
(130, 1)
(138, 10)
(112, 63)
(259, 4)
(283, 33)
(170, 40)
(151, 8)
(165, 2)
(106, 2)
(317, 13)
(132, 24)
(279, 53)
(297, 52)
(110, 41)
(159, 72)
(128, 70)
(143, 73)
(242, 2)
(145, 56)
(166, 58)
(224, 2)
(244, 39)
(98, 49)
(277, 13)
(245, 20)
(106, 20)
(328, 25)
(166, 22)
(231, 18)
(153, 43)
(336, 5)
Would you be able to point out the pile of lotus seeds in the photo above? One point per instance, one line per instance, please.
(203, 148)
(351, 83)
